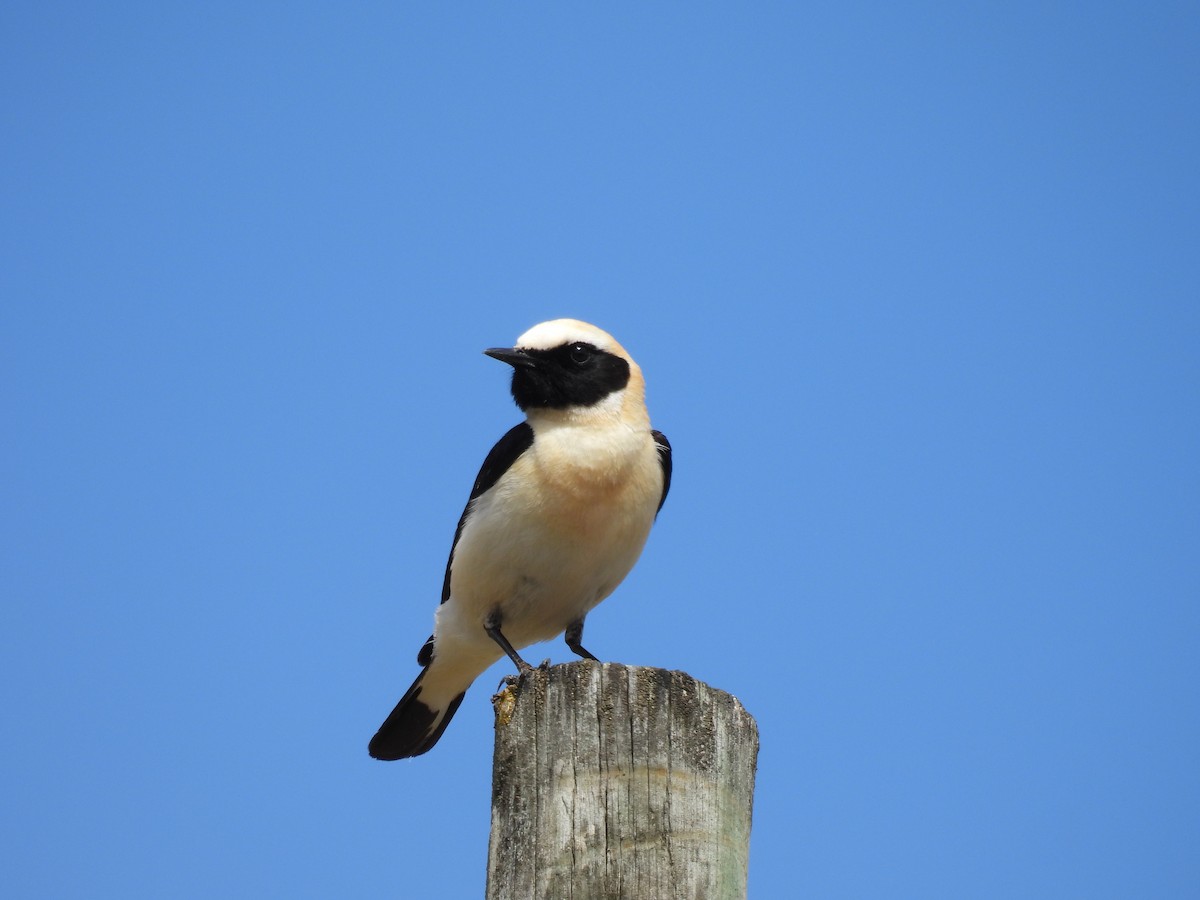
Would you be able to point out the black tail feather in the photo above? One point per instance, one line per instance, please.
(413, 727)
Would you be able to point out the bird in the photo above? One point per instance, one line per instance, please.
(557, 517)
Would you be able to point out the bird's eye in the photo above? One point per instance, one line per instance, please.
(580, 353)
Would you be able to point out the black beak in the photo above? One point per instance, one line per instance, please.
(512, 356)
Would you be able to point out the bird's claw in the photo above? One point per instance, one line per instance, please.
(511, 681)
(508, 681)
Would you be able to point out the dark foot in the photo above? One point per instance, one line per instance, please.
(513, 680)
(574, 637)
(509, 681)
(492, 626)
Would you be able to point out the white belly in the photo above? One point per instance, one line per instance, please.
(542, 558)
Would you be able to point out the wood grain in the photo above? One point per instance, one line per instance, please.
(614, 781)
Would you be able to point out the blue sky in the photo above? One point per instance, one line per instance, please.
(917, 295)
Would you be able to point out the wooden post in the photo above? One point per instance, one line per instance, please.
(614, 781)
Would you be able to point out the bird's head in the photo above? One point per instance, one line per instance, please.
(573, 367)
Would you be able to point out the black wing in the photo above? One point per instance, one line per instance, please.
(664, 459)
(498, 461)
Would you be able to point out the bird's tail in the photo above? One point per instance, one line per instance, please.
(417, 722)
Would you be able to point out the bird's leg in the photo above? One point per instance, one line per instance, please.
(492, 626)
(573, 636)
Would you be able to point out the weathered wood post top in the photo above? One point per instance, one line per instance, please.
(614, 781)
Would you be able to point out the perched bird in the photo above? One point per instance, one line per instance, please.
(558, 515)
